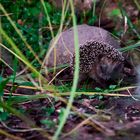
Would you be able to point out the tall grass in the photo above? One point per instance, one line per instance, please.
(42, 83)
(19, 33)
(75, 78)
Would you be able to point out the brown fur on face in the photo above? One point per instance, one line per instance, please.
(106, 69)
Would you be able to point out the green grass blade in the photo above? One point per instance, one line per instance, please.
(21, 57)
(75, 79)
(19, 33)
(125, 49)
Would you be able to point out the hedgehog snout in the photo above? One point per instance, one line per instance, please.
(106, 69)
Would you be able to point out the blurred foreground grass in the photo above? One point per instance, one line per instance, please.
(26, 30)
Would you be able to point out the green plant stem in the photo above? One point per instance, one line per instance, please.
(137, 4)
(48, 18)
(131, 47)
(75, 79)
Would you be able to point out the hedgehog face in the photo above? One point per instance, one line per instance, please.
(106, 69)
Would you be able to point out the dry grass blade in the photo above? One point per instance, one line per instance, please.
(78, 126)
(2, 132)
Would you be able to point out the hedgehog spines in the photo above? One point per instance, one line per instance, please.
(90, 51)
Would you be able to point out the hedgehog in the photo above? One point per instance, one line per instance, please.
(99, 56)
